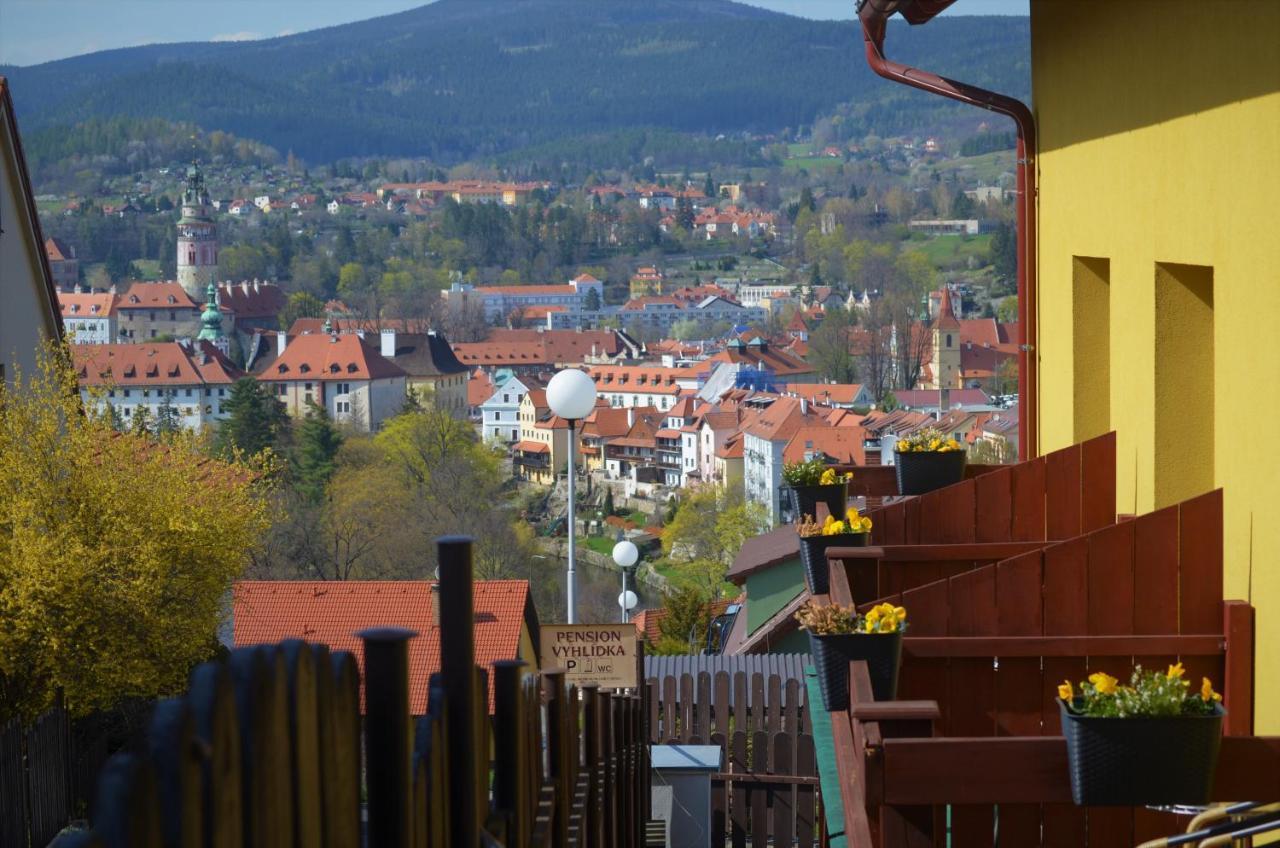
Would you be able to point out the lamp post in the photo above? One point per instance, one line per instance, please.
(625, 554)
(571, 394)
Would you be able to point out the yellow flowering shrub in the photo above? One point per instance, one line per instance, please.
(116, 552)
(928, 439)
(837, 620)
(1148, 694)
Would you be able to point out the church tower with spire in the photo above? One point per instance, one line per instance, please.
(946, 346)
(197, 238)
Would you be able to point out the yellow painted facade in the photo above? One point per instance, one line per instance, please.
(1159, 265)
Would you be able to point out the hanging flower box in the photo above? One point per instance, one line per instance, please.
(1150, 742)
(852, 532)
(807, 484)
(839, 635)
(926, 460)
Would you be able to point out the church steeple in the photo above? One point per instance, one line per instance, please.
(211, 318)
(946, 346)
(197, 236)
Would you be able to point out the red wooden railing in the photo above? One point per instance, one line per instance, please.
(1035, 584)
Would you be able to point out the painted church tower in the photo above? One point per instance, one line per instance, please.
(946, 347)
(197, 238)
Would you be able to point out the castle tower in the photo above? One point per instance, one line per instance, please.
(946, 346)
(197, 238)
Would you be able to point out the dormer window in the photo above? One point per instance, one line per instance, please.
(133, 298)
(351, 368)
(75, 307)
(172, 299)
(304, 368)
(282, 368)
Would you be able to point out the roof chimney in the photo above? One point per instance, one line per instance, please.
(282, 339)
(804, 406)
(388, 343)
(631, 417)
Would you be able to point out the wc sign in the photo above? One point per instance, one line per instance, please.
(603, 654)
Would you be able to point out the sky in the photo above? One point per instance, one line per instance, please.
(33, 31)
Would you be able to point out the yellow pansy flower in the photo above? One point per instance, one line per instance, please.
(904, 446)
(933, 445)
(1065, 691)
(828, 477)
(1175, 670)
(1206, 691)
(1104, 683)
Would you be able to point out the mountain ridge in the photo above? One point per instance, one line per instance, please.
(460, 79)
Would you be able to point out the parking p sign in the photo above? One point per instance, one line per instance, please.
(603, 654)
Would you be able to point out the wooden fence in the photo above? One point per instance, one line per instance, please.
(35, 779)
(265, 750)
(768, 793)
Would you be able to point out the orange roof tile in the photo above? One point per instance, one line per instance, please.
(325, 358)
(332, 612)
(160, 364)
(167, 295)
(81, 305)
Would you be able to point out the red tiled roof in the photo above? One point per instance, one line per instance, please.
(532, 447)
(81, 305)
(332, 612)
(325, 358)
(479, 387)
(825, 392)
(537, 347)
(56, 249)
(946, 317)
(160, 364)
(157, 296)
(841, 444)
(252, 299)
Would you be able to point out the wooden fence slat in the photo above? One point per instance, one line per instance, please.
(1019, 683)
(1098, 482)
(971, 688)
(740, 713)
(703, 706)
(806, 796)
(922, 679)
(758, 795)
(757, 703)
(1066, 612)
(300, 665)
(782, 795)
(1200, 563)
(993, 506)
(722, 706)
(720, 796)
(1027, 490)
(1062, 493)
(670, 710)
(686, 708)
(739, 812)
(774, 704)
(791, 708)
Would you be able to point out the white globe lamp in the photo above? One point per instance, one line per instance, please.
(625, 554)
(571, 394)
(627, 600)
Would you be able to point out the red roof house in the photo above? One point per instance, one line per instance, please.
(332, 612)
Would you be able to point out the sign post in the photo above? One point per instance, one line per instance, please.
(601, 654)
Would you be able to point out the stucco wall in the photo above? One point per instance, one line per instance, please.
(1159, 144)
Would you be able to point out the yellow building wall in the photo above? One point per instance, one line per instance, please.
(1159, 143)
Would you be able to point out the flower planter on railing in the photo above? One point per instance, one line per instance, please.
(839, 635)
(925, 461)
(1150, 742)
(813, 556)
(804, 500)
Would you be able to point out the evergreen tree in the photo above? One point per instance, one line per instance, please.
(141, 423)
(608, 502)
(255, 419)
(684, 214)
(1004, 252)
(807, 201)
(314, 454)
(709, 188)
(168, 420)
(591, 301)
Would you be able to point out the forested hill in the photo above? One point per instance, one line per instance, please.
(460, 79)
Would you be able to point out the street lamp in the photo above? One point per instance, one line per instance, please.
(625, 554)
(571, 394)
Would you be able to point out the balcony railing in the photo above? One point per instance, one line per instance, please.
(1014, 581)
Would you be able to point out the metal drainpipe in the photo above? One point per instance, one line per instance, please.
(874, 16)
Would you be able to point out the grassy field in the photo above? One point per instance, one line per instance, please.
(599, 544)
(812, 163)
(953, 251)
(147, 269)
(799, 150)
(986, 168)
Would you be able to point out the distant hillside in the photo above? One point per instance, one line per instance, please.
(459, 79)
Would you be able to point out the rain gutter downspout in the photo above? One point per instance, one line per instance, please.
(874, 15)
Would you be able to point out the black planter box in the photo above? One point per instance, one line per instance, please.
(923, 471)
(813, 555)
(832, 655)
(1131, 762)
(805, 499)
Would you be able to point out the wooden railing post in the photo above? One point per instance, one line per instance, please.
(558, 754)
(591, 764)
(126, 813)
(457, 664)
(171, 744)
(213, 706)
(261, 705)
(512, 771)
(388, 741)
(1237, 688)
(300, 663)
(340, 718)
